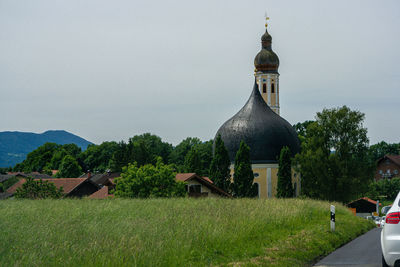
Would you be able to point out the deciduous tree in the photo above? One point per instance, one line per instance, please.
(148, 181)
(38, 189)
(69, 167)
(334, 161)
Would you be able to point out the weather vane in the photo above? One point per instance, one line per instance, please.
(266, 19)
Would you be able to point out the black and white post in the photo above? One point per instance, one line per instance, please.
(332, 218)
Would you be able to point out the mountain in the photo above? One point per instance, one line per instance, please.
(14, 146)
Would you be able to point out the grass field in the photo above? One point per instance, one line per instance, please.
(171, 232)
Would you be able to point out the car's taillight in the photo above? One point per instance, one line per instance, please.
(393, 218)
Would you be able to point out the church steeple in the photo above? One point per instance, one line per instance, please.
(266, 65)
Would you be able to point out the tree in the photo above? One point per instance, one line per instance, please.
(243, 176)
(193, 161)
(47, 157)
(38, 158)
(120, 157)
(380, 149)
(38, 189)
(97, 157)
(219, 168)
(385, 189)
(178, 153)
(334, 161)
(69, 167)
(301, 129)
(285, 187)
(148, 181)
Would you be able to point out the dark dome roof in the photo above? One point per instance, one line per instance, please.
(264, 131)
(266, 60)
(266, 37)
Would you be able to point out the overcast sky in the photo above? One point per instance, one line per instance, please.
(108, 70)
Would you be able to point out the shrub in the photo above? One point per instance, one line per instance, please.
(38, 189)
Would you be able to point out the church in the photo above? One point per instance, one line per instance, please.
(261, 127)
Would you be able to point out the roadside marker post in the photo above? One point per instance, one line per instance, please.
(332, 218)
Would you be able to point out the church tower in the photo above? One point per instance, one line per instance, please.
(260, 126)
(266, 65)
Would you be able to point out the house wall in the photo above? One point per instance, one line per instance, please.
(386, 168)
(204, 189)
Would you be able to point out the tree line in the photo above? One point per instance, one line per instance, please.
(335, 162)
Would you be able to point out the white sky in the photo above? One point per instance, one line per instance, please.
(108, 70)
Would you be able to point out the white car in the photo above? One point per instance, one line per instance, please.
(390, 236)
(383, 221)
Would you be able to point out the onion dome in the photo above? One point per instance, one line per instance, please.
(264, 131)
(266, 60)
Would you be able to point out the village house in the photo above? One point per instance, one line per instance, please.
(388, 167)
(199, 186)
(363, 206)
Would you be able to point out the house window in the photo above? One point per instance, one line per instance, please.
(272, 88)
(256, 174)
(264, 88)
(395, 171)
(195, 188)
(380, 172)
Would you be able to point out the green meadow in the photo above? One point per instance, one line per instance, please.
(171, 232)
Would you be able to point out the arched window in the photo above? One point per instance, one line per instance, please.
(272, 88)
(257, 189)
(264, 88)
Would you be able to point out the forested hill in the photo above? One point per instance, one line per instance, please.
(14, 146)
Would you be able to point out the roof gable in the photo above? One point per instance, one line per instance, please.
(393, 158)
(184, 177)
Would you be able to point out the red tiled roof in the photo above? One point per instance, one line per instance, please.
(68, 184)
(13, 188)
(208, 179)
(184, 176)
(100, 194)
(366, 199)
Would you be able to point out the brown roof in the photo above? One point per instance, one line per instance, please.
(100, 194)
(394, 158)
(204, 180)
(68, 184)
(187, 176)
(34, 175)
(184, 176)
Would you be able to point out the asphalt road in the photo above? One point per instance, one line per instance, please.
(365, 251)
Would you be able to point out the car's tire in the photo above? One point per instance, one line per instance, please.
(384, 264)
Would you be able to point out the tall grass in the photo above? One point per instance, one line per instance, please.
(170, 232)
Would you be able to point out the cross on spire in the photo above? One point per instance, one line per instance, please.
(266, 19)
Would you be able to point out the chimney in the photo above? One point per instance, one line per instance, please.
(89, 174)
